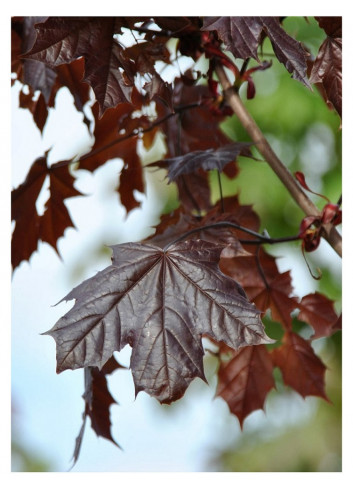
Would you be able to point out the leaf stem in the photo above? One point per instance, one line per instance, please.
(220, 191)
(261, 238)
(329, 231)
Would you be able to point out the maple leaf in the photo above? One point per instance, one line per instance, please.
(70, 76)
(209, 159)
(160, 302)
(29, 226)
(245, 379)
(64, 39)
(192, 130)
(36, 105)
(173, 226)
(56, 217)
(35, 74)
(318, 311)
(97, 403)
(327, 68)
(242, 36)
(301, 368)
(106, 132)
(23, 211)
(263, 284)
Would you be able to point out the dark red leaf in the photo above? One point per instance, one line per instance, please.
(301, 368)
(157, 87)
(242, 36)
(331, 25)
(178, 26)
(264, 285)
(70, 76)
(327, 68)
(23, 211)
(29, 226)
(37, 107)
(160, 302)
(97, 403)
(63, 39)
(301, 179)
(193, 129)
(106, 132)
(245, 380)
(145, 54)
(209, 159)
(173, 226)
(318, 311)
(35, 74)
(56, 217)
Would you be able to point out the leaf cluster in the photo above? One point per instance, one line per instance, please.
(204, 272)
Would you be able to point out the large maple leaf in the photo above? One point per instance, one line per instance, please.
(160, 301)
(64, 39)
(242, 36)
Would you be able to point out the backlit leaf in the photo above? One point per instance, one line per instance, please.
(318, 311)
(106, 133)
(301, 368)
(23, 211)
(264, 284)
(245, 380)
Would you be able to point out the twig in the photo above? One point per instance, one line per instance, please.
(134, 133)
(261, 238)
(329, 231)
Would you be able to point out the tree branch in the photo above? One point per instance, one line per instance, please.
(329, 231)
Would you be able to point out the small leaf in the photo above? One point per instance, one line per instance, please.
(301, 368)
(29, 226)
(106, 133)
(210, 159)
(264, 284)
(318, 311)
(23, 211)
(245, 380)
(327, 68)
(97, 403)
(160, 302)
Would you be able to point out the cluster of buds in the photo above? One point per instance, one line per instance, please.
(311, 226)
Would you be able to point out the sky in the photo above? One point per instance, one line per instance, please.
(49, 405)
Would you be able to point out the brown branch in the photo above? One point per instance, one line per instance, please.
(329, 231)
